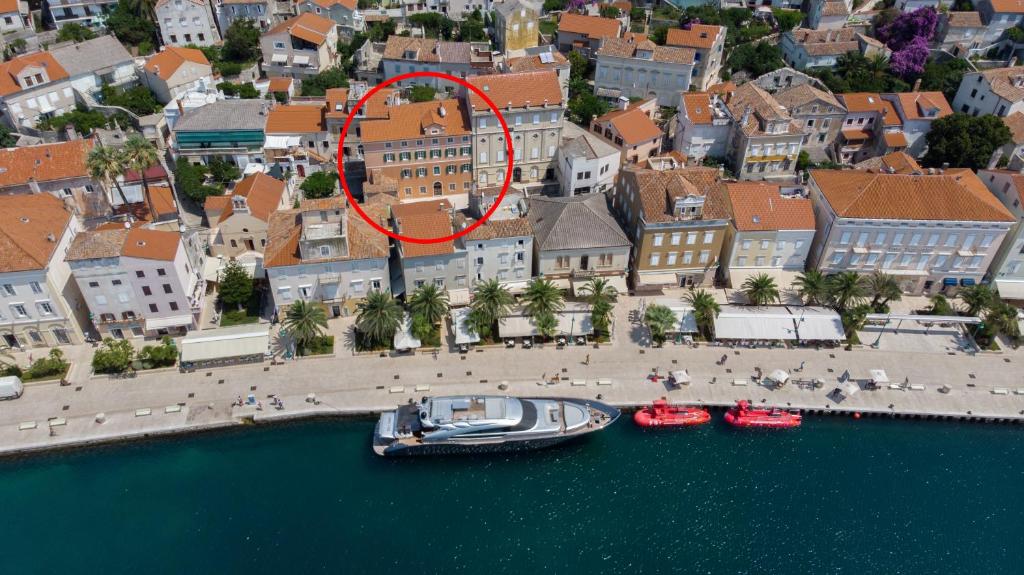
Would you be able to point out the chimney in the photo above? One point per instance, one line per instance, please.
(623, 103)
(917, 86)
(34, 186)
(181, 107)
(746, 115)
(441, 111)
(70, 131)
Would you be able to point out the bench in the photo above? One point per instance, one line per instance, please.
(739, 382)
(56, 421)
(172, 409)
(423, 387)
(396, 389)
(604, 382)
(1000, 391)
(143, 412)
(916, 387)
(579, 383)
(27, 425)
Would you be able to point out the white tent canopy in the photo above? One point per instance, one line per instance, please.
(225, 343)
(686, 322)
(404, 339)
(1010, 289)
(463, 335)
(771, 323)
(572, 321)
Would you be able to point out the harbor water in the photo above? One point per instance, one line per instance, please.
(836, 496)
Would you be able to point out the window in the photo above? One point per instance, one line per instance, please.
(915, 239)
(745, 245)
(140, 274)
(691, 238)
(325, 251)
(940, 260)
(146, 290)
(153, 308)
(9, 289)
(862, 239)
(659, 239)
(845, 238)
(101, 300)
(872, 258)
(880, 238)
(765, 244)
(655, 259)
(93, 284)
(671, 259)
(167, 288)
(36, 288)
(687, 257)
(897, 239)
(951, 240)
(115, 282)
(676, 238)
(741, 261)
(19, 310)
(709, 237)
(45, 308)
(421, 172)
(987, 240)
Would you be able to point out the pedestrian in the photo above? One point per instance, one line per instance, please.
(801, 366)
(587, 361)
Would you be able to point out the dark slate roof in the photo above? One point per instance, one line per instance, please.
(579, 222)
(225, 115)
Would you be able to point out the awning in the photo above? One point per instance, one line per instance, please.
(225, 343)
(896, 139)
(783, 278)
(856, 135)
(279, 58)
(458, 297)
(403, 335)
(879, 376)
(657, 279)
(300, 60)
(755, 323)
(574, 320)
(681, 376)
(949, 281)
(153, 324)
(281, 142)
(818, 324)
(562, 283)
(515, 288)
(967, 282)
(1009, 289)
(463, 335)
(686, 322)
(617, 282)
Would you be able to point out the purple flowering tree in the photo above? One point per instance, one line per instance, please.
(909, 26)
(909, 62)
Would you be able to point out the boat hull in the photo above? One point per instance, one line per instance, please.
(671, 417)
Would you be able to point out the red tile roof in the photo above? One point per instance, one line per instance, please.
(27, 224)
(757, 206)
(421, 220)
(44, 163)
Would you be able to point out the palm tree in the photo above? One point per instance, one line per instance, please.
(1002, 319)
(705, 310)
(812, 287)
(107, 164)
(659, 319)
(977, 298)
(378, 317)
(940, 306)
(846, 289)
(140, 155)
(479, 323)
(430, 303)
(491, 302)
(761, 289)
(543, 297)
(600, 294)
(883, 289)
(547, 324)
(305, 321)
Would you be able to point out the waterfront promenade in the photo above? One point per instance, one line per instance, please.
(982, 386)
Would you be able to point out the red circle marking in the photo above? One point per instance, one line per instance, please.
(341, 158)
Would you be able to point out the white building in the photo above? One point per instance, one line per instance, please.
(174, 71)
(626, 68)
(443, 264)
(586, 163)
(324, 252)
(934, 232)
(88, 13)
(259, 11)
(344, 12)
(138, 282)
(501, 250)
(38, 298)
(703, 127)
(186, 22)
(14, 16)
(999, 91)
(1007, 271)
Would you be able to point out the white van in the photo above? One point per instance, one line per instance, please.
(11, 387)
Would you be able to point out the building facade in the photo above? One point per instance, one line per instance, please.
(708, 45)
(999, 91)
(586, 163)
(186, 22)
(175, 71)
(459, 59)
(344, 12)
(300, 47)
(626, 68)
(238, 221)
(443, 264)
(516, 25)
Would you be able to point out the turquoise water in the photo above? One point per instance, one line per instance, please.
(837, 496)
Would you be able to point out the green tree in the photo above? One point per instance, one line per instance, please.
(491, 302)
(608, 11)
(163, 355)
(107, 164)
(963, 141)
(585, 107)
(941, 306)
(83, 121)
(543, 297)
(812, 287)
(140, 154)
(7, 140)
(189, 180)
(241, 41)
(75, 32)
(113, 356)
(547, 325)
(787, 19)
(846, 290)
(378, 317)
(554, 5)
(756, 58)
(659, 35)
(379, 31)
(305, 322)
(883, 288)
(601, 296)
(429, 302)
(130, 28)
(856, 73)
(660, 320)
(477, 322)
(138, 99)
(235, 286)
(944, 76)
(319, 84)
(223, 171)
(319, 185)
(420, 93)
(803, 161)
(1002, 319)
(977, 298)
(761, 289)
(705, 311)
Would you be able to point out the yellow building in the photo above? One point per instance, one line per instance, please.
(516, 25)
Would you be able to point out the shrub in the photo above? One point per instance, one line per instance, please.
(114, 356)
(163, 355)
(51, 365)
(319, 185)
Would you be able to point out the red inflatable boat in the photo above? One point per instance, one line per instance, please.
(743, 416)
(661, 414)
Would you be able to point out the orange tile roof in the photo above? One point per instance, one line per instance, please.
(634, 36)
(1008, 6)
(517, 90)
(375, 107)
(166, 62)
(1015, 122)
(44, 163)
(590, 26)
(430, 219)
(857, 135)
(262, 194)
(534, 63)
(957, 195)
(162, 198)
(633, 125)
(9, 70)
(698, 107)
(409, 121)
(895, 139)
(285, 228)
(659, 189)
(757, 206)
(295, 119)
(698, 36)
(307, 26)
(916, 105)
(722, 88)
(279, 84)
(350, 4)
(27, 222)
(862, 102)
(9, 6)
(151, 244)
(894, 163)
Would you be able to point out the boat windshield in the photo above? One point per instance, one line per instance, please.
(529, 419)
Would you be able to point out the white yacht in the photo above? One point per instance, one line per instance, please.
(479, 424)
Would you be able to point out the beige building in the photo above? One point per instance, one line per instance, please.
(38, 297)
(677, 220)
(533, 108)
(238, 221)
(174, 71)
(631, 130)
(516, 25)
(300, 47)
(766, 141)
(708, 45)
(344, 12)
(585, 34)
(818, 114)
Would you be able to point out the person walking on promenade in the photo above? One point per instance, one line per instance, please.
(587, 360)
